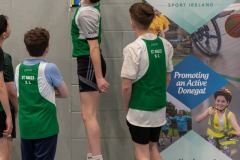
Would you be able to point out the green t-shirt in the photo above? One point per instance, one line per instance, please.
(8, 73)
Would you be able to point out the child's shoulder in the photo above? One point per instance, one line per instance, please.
(7, 56)
(51, 65)
(135, 44)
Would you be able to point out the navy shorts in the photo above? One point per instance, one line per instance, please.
(3, 123)
(144, 135)
(86, 76)
(39, 149)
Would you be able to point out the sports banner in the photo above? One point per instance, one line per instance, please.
(190, 14)
(205, 36)
(192, 85)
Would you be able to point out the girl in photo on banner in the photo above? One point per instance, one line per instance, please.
(222, 122)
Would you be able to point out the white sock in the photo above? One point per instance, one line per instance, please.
(98, 157)
(89, 156)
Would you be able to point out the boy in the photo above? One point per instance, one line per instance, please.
(86, 38)
(6, 118)
(36, 82)
(146, 74)
(12, 96)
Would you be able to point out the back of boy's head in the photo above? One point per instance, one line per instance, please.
(3, 24)
(142, 14)
(36, 41)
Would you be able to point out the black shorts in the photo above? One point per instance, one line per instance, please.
(3, 123)
(86, 76)
(144, 135)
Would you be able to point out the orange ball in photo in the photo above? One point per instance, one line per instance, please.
(232, 25)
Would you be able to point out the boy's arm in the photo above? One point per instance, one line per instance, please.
(55, 79)
(96, 60)
(169, 51)
(8, 75)
(168, 79)
(62, 90)
(90, 28)
(12, 95)
(129, 71)
(5, 104)
(126, 93)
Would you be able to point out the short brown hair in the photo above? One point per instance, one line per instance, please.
(3, 24)
(142, 14)
(36, 41)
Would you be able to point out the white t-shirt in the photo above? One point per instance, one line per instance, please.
(135, 65)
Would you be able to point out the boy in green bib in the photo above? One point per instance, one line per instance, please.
(7, 94)
(146, 74)
(86, 32)
(38, 83)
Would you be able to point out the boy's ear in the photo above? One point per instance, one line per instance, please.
(132, 22)
(47, 49)
(4, 34)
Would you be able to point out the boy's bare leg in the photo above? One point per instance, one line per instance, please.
(9, 145)
(142, 151)
(89, 105)
(89, 151)
(154, 153)
(5, 148)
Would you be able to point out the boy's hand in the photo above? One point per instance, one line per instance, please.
(9, 126)
(56, 91)
(103, 85)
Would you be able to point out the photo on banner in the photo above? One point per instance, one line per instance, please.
(178, 118)
(227, 143)
(74, 3)
(193, 85)
(223, 45)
